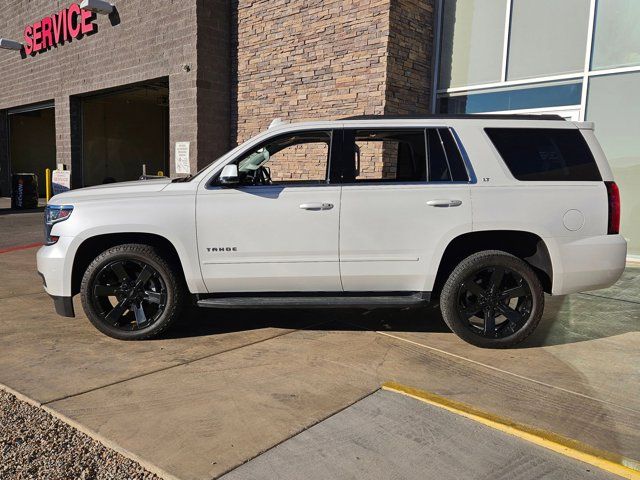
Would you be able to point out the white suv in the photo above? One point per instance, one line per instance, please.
(479, 213)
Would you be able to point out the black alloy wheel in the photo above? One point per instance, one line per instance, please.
(132, 292)
(492, 299)
(129, 294)
(495, 302)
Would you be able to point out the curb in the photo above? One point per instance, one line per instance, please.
(92, 434)
(611, 462)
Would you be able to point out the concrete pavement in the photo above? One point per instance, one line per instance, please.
(224, 387)
(387, 435)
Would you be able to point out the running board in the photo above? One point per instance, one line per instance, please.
(367, 300)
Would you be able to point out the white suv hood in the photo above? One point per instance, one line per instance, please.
(120, 189)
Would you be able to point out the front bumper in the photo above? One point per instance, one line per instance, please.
(63, 305)
(55, 271)
(55, 266)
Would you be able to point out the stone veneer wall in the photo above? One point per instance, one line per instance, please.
(312, 59)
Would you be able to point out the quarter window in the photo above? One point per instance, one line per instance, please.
(544, 154)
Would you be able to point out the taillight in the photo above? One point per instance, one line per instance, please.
(614, 207)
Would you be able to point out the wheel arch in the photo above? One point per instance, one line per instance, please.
(91, 247)
(528, 246)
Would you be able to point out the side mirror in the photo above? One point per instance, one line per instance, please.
(229, 176)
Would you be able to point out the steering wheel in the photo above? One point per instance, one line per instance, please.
(264, 174)
(257, 177)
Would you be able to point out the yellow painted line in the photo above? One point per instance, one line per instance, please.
(611, 462)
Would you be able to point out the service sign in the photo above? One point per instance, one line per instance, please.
(67, 24)
(60, 181)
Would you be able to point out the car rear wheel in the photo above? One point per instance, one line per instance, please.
(131, 292)
(492, 299)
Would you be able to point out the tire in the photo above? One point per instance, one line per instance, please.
(130, 292)
(494, 284)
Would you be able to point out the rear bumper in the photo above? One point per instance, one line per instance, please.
(588, 263)
(63, 305)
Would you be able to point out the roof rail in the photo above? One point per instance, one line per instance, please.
(469, 116)
(277, 122)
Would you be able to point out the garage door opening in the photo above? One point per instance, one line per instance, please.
(124, 129)
(32, 142)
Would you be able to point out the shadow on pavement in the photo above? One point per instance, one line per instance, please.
(566, 320)
(580, 317)
(197, 322)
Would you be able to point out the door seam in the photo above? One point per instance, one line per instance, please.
(339, 232)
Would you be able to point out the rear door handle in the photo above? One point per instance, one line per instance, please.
(444, 203)
(316, 206)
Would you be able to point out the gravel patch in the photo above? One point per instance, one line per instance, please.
(36, 445)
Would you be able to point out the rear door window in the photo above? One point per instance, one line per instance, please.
(383, 156)
(545, 154)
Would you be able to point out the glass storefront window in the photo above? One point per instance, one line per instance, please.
(513, 98)
(613, 103)
(616, 40)
(472, 42)
(547, 37)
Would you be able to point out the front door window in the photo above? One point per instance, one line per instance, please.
(299, 158)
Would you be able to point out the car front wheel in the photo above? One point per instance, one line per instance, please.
(130, 292)
(492, 299)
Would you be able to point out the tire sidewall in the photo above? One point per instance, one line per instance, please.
(145, 255)
(477, 262)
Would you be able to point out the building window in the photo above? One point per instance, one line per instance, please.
(616, 41)
(548, 37)
(613, 103)
(579, 59)
(472, 42)
(512, 98)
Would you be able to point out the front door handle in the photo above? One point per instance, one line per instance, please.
(316, 206)
(444, 203)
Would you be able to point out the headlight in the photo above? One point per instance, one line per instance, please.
(54, 214)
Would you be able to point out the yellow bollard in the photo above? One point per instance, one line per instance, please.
(47, 174)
